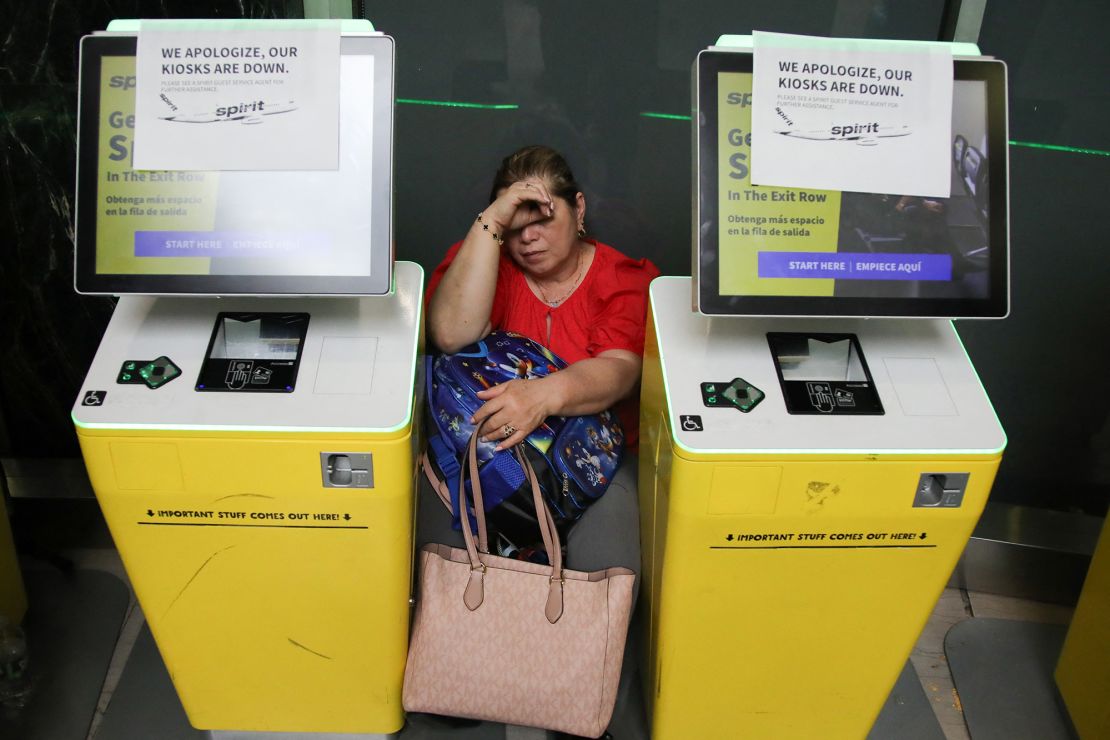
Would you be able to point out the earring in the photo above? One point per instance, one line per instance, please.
(582, 230)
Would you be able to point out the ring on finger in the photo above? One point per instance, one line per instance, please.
(508, 430)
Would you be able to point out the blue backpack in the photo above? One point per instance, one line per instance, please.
(574, 457)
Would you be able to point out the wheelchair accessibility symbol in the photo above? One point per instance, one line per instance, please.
(690, 423)
(94, 398)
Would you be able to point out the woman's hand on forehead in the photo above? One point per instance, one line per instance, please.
(524, 202)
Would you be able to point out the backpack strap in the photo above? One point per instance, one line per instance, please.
(447, 491)
(503, 474)
(444, 455)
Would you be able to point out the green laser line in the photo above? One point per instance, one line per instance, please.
(455, 104)
(667, 116)
(674, 117)
(1059, 148)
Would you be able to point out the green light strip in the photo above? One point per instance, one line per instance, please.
(1058, 148)
(455, 104)
(668, 116)
(675, 117)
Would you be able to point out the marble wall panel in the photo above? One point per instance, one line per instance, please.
(48, 333)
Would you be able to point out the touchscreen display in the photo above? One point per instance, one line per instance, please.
(232, 231)
(791, 251)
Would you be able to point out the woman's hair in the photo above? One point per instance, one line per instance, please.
(537, 161)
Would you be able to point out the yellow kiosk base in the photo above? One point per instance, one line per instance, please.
(790, 561)
(1083, 673)
(274, 608)
(267, 535)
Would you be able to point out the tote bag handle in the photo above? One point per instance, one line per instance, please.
(474, 593)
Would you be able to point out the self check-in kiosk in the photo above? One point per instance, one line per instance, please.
(247, 420)
(809, 473)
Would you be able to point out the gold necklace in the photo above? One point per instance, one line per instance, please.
(577, 278)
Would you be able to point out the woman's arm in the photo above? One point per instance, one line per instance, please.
(459, 311)
(584, 387)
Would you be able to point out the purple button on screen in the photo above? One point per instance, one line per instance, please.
(226, 244)
(855, 266)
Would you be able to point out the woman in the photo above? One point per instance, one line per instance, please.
(527, 266)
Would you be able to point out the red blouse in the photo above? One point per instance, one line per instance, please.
(606, 311)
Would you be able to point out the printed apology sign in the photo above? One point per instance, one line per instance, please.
(851, 114)
(233, 96)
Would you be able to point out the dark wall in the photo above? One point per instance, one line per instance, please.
(49, 334)
(582, 75)
(1044, 366)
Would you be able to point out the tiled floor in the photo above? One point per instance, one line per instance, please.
(928, 656)
(108, 560)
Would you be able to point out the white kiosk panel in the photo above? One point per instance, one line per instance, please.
(338, 388)
(931, 396)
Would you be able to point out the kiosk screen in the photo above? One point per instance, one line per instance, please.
(234, 232)
(776, 251)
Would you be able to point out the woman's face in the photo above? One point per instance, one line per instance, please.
(548, 243)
